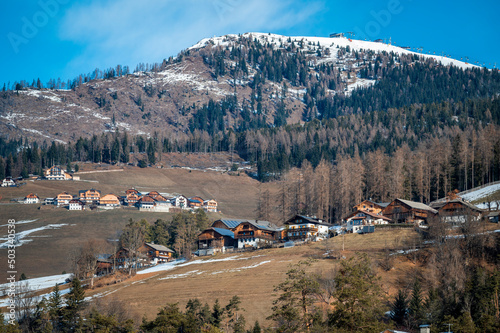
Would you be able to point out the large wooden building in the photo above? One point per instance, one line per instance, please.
(458, 211)
(405, 211)
(254, 235)
(216, 240)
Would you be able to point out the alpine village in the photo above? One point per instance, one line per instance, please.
(255, 183)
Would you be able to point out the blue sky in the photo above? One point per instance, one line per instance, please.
(63, 38)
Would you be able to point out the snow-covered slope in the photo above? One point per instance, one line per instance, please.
(330, 43)
(480, 196)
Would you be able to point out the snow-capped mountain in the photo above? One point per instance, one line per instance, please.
(277, 79)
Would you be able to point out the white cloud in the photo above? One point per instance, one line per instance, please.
(131, 31)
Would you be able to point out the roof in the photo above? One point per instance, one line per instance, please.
(75, 201)
(159, 247)
(31, 195)
(233, 223)
(493, 214)
(375, 216)
(417, 205)
(194, 200)
(146, 199)
(309, 219)
(224, 232)
(465, 203)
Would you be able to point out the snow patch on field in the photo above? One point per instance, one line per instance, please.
(182, 263)
(20, 222)
(39, 283)
(20, 236)
(481, 193)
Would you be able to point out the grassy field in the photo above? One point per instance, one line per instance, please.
(252, 276)
(49, 249)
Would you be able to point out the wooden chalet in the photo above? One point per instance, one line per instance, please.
(195, 203)
(63, 199)
(132, 198)
(90, 197)
(256, 234)
(370, 206)
(31, 199)
(57, 173)
(405, 211)
(216, 240)
(303, 228)
(156, 253)
(459, 211)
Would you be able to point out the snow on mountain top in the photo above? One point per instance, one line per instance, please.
(328, 42)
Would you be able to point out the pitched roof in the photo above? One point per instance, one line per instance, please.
(233, 223)
(308, 219)
(465, 203)
(146, 198)
(375, 216)
(224, 232)
(417, 205)
(159, 247)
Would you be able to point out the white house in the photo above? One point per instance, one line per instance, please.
(361, 220)
(180, 201)
(306, 228)
(210, 206)
(146, 202)
(8, 182)
(75, 204)
(31, 199)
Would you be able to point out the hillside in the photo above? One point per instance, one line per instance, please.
(263, 80)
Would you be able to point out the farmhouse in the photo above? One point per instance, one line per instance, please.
(90, 197)
(57, 173)
(8, 182)
(156, 254)
(75, 204)
(109, 200)
(302, 227)
(63, 199)
(405, 211)
(31, 199)
(213, 240)
(363, 221)
(195, 203)
(459, 211)
(250, 234)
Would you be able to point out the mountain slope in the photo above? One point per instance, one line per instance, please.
(264, 79)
